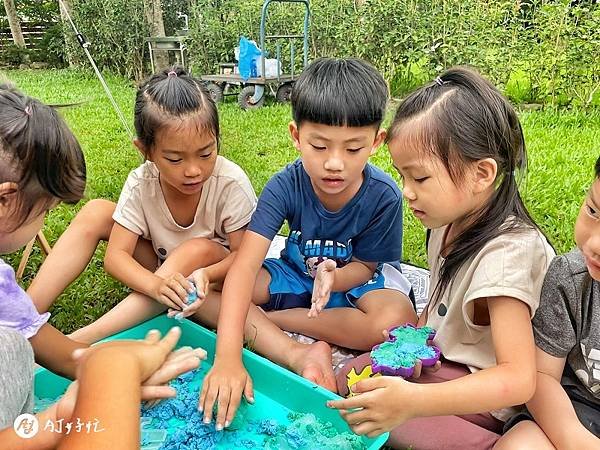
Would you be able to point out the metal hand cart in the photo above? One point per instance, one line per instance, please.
(251, 92)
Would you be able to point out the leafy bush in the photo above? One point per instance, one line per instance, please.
(537, 50)
(116, 30)
(13, 56)
(550, 47)
(41, 11)
(44, 13)
(52, 47)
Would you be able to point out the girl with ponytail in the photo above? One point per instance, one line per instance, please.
(181, 214)
(458, 146)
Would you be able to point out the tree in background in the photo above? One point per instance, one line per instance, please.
(14, 23)
(154, 17)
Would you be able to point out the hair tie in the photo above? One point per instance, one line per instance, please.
(439, 81)
(172, 73)
(27, 110)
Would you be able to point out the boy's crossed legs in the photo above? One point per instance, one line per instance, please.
(357, 328)
(377, 308)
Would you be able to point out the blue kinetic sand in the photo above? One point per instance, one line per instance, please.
(248, 430)
(289, 412)
(191, 298)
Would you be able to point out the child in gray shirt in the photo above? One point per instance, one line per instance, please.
(16, 386)
(566, 326)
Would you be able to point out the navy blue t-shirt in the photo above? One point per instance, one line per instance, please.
(368, 227)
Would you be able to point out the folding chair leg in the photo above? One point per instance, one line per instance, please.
(43, 243)
(25, 258)
(45, 247)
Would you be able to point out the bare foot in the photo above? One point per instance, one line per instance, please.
(313, 362)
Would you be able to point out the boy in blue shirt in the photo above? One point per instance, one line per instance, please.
(337, 278)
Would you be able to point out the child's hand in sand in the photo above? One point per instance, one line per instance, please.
(324, 279)
(158, 364)
(177, 363)
(200, 281)
(224, 385)
(383, 404)
(172, 291)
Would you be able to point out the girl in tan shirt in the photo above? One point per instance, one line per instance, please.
(459, 148)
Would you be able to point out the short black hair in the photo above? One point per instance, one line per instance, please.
(39, 153)
(597, 168)
(340, 92)
(172, 94)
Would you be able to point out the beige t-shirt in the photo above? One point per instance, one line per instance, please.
(510, 265)
(226, 204)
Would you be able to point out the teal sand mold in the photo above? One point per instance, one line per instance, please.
(284, 401)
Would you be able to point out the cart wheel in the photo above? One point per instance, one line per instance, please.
(215, 92)
(284, 93)
(245, 98)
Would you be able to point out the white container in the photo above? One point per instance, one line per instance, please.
(271, 67)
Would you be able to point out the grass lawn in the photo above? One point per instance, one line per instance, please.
(563, 146)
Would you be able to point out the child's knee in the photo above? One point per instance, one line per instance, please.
(202, 251)
(95, 218)
(372, 332)
(396, 309)
(523, 436)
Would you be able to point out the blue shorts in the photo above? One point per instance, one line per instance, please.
(291, 289)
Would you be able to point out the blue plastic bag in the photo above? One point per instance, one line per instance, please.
(249, 53)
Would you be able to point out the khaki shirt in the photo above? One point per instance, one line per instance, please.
(226, 205)
(511, 265)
